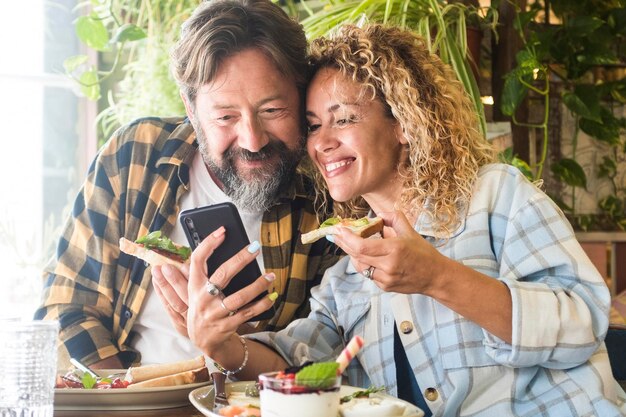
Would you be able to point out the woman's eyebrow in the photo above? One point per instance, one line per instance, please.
(335, 107)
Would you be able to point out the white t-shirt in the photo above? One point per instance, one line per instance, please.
(156, 338)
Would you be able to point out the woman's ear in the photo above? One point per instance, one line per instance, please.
(188, 106)
(400, 134)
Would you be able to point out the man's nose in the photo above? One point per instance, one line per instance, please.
(252, 135)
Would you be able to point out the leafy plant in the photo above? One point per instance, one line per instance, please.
(131, 39)
(443, 24)
(561, 58)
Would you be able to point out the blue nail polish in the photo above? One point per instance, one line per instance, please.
(330, 238)
(254, 246)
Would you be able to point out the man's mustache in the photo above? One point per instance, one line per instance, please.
(274, 147)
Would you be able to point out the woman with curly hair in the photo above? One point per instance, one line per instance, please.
(477, 300)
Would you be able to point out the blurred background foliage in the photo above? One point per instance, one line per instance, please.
(127, 42)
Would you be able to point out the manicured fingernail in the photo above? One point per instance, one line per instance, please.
(273, 296)
(269, 277)
(219, 232)
(254, 246)
(330, 238)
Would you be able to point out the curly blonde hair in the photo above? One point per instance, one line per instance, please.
(437, 118)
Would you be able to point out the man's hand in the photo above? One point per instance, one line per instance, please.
(213, 319)
(170, 284)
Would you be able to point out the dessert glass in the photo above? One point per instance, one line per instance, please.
(282, 397)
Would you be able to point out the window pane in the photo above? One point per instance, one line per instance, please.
(44, 156)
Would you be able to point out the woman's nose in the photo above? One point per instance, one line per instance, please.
(252, 135)
(323, 141)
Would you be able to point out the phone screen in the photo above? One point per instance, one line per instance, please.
(200, 222)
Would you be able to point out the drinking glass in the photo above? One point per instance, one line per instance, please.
(28, 365)
(282, 397)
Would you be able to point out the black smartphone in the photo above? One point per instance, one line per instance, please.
(200, 222)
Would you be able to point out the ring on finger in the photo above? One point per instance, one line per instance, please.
(230, 312)
(213, 289)
(368, 272)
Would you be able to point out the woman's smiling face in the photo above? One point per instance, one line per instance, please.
(352, 140)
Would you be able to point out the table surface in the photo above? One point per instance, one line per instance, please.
(188, 411)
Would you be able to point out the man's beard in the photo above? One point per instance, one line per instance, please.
(260, 190)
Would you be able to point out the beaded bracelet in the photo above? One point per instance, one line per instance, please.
(243, 365)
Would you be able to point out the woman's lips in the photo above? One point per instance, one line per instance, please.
(337, 167)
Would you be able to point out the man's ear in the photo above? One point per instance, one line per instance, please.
(188, 106)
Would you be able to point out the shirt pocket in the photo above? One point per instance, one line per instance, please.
(351, 313)
(461, 342)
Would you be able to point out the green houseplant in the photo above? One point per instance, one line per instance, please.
(560, 61)
(444, 24)
(132, 39)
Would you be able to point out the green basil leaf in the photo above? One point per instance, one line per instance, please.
(319, 375)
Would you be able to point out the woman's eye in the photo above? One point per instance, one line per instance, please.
(312, 128)
(346, 121)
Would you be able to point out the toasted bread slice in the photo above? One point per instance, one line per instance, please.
(364, 227)
(137, 374)
(181, 378)
(149, 255)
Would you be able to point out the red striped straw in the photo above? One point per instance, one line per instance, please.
(348, 353)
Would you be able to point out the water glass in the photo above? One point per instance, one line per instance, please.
(28, 365)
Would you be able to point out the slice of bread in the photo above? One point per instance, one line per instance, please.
(374, 225)
(148, 255)
(137, 374)
(181, 378)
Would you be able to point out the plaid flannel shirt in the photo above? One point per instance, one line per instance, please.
(556, 365)
(133, 187)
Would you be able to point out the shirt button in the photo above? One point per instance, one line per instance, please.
(128, 314)
(406, 327)
(431, 394)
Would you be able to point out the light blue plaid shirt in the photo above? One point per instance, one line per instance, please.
(557, 364)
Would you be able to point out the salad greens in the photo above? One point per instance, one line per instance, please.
(155, 240)
(336, 220)
(360, 394)
(330, 222)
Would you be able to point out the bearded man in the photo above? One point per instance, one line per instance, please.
(241, 68)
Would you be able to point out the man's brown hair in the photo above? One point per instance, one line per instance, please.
(220, 28)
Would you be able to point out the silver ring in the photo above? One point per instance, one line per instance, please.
(213, 289)
(367, 273)
(230, 312)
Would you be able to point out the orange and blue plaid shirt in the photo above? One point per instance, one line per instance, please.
(134, 187)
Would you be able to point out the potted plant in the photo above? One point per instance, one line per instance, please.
(562, 70)
(559, 60)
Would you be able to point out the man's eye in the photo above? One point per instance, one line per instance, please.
(225, 117)
(273, 111)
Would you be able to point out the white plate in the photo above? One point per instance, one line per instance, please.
(123, 399)
(202, 398)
